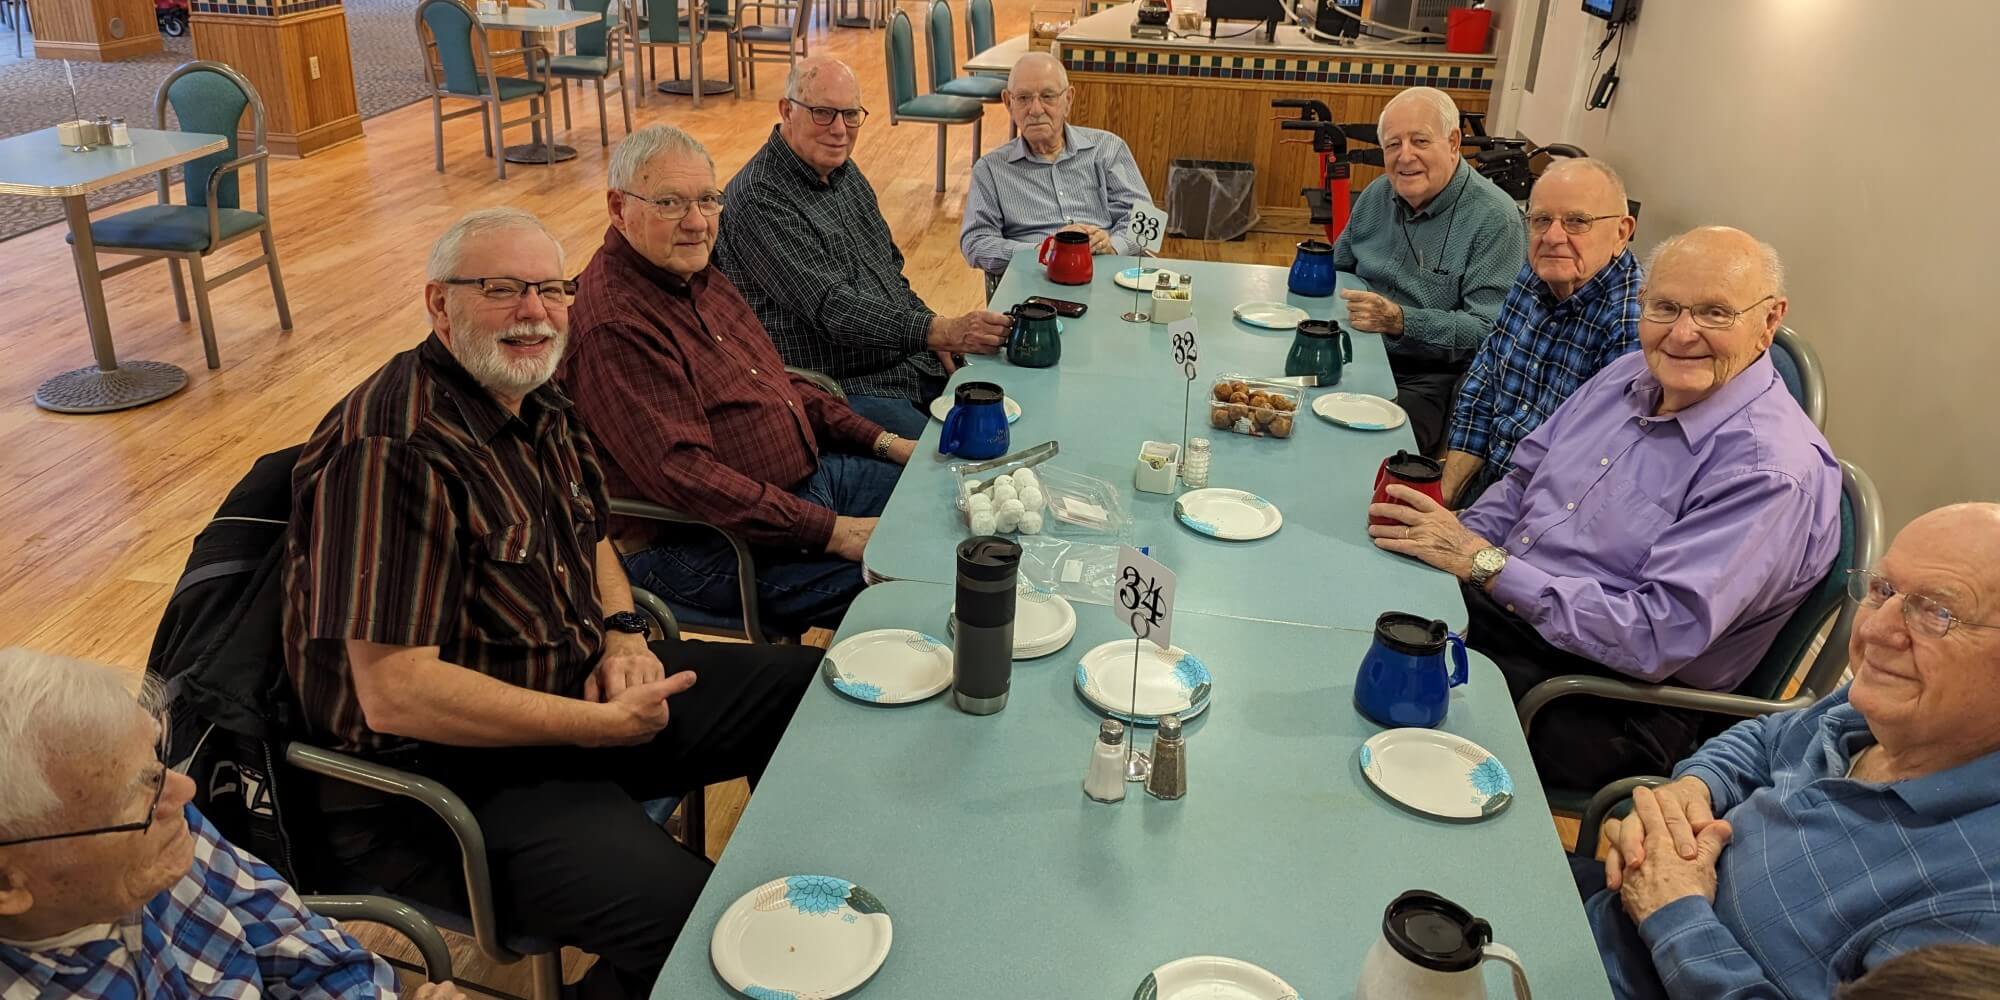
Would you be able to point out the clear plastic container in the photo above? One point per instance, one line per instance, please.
(1073, 505)
(1253, 406)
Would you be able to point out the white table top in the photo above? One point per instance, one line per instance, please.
(998, 60)
(1114, 27)
(535, 19)
(35, 164)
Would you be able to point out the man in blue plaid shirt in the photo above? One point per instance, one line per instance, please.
(1574, 308)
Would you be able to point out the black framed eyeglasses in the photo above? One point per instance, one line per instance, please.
(1921, 613)
(509, 290)
(1707, 315)
(673, 207)
(140, 826)
(823, 116)
(1575, 225)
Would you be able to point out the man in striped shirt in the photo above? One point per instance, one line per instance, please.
(454, 607)
(1054, 177)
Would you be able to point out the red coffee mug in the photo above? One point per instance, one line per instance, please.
(1068, 258)
(1404, 469)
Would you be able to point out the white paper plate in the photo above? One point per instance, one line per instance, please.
(1271, 315)
(1360, 411)
(1130, 277)
(1213, 977)
(1043, 622)
(1231, 515)
(801, 937)
(888, 666)
(1172, 681)
(942, 406)
(1436, 772)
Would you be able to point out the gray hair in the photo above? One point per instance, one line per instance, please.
(1032, 59)
(450, 248)
(1434, 100)
(639, 148)
(50, 705)
(1594, 165)
(1766, 257)
(805, 71)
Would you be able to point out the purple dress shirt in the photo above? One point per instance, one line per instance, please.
(1665, 547)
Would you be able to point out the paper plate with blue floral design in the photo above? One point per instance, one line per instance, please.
(1212, 977)
(801, 937)
(1437, 773)
(888, 666)
(1231, 515)
(1172, 681)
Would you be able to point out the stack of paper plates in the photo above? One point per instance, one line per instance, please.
(1043, 622)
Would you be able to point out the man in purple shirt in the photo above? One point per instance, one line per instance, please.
(1661, 526)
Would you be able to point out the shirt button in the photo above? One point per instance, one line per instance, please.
(1604, 461)
(1524, 539)
(789, 403)
(560, 570)
(1523, 409)
(753, 371)
(1510, 609)
(1569, 506)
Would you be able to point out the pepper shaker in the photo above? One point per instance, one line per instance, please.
(1169, 777)
(1105, 781)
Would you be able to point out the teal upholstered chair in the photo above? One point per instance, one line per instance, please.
(599, 55)
(458, 63)
(206, 97)
(780, 39)
(906, 105)
(942, 49)
(978, 26)
(1763, 692)
(663, 23)
(1798, 364)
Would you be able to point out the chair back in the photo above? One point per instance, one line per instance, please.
(459, 42)
(721, 8)
(938, 43)
(593, 39)
(662, 30)
(978, 26)
(1860, 543)
(900, 62)
(1798, 364)
(209, 96)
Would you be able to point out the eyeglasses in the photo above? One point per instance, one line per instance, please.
(1707, 315)
(824, 116)
(1573, 224)
(508, 291)
(674, 208)
(137, 827)
(1046, 97)
(1922, 614)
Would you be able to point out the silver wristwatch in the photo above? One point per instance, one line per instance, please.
(1487, 563)
(883, 441)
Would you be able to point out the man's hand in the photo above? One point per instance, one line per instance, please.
(1687, 810)
(948, 360)
(977, 332)
(1100, 241)
(436, 991)
(639, 712)
(627, 661)
(1371, 313)
(1426, 530)
(1664, 876)
(850, 536)
(901, 450)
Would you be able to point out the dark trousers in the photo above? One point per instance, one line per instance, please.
(1577, 742)
(574, 857)
(1426, 389)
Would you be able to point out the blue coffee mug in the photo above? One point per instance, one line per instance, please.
(976, 427)
(1402, 681)
(1312, 269)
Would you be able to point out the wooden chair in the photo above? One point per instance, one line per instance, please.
(458, 63)
(905, 104)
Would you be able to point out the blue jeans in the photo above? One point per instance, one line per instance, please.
(897, 416)
(694, 569)
(1627, 961)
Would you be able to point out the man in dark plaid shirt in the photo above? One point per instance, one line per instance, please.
(807, 245)
(1574, 308)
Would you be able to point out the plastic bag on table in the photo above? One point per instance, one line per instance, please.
(1211, 199)
(1078, 570)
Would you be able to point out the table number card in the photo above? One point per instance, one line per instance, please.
(1145, 597)
(1149, 227)
(1185, 353)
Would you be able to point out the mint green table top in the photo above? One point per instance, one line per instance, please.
(34, 163)
(1005, 883)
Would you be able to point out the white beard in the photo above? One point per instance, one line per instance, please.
(483, 357)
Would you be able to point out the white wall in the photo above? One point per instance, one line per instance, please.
(1858, 141)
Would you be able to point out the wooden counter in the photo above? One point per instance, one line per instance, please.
(1190, 98)
(95, 30)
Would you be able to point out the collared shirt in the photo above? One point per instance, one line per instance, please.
(1665, 547)
(691, 403)
(1448, 265)
(1017, 198)
(425, 514)
(817, 262)
(229, 928)
(1825, 876)
(1541, 349)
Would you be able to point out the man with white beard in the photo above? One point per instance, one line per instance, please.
(454, 607)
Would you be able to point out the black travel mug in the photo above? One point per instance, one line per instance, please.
(982, 651)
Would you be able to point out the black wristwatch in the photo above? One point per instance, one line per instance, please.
(628, 621)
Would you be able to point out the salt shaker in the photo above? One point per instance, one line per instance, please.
(1105, 781)
(1169, 777)
(1194, 467)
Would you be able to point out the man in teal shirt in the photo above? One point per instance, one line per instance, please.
(1440, 245)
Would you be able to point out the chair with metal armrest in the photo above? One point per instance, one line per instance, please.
(821, 379)
(1799, 366)
(1612, 800)
(599, 55)
(458, 63)
(401, 917)
(782, 39)
(748, 624)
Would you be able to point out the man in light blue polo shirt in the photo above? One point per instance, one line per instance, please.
(1054, 177)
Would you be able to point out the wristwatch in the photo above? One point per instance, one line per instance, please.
(628, 621)
(883, 442)
(1487, 563)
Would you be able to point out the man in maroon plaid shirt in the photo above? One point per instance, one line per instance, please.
(692, 408)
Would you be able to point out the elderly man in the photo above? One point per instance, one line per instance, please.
(112, 885)
(1573, 309)
(694, 409)
(1055, 177)
(1803, 849)
(454, 607)
(809, 249)
(1661, 526)
(1440, 244)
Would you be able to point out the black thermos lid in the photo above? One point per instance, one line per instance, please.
(988, 566)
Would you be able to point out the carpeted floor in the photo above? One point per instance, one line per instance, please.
(387, 75)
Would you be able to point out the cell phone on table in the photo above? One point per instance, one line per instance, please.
(1063, 307)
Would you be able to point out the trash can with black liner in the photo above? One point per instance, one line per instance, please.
(1211, 199)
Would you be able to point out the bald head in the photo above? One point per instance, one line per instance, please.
(826, 87)
(803, 83)
(1038, 99)
(1585, 192)
(1035, 70)
(1966, 533)
(1725, 291)
(1735, 250)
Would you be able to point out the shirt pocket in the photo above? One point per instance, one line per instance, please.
(514, 594)
(1620, 528)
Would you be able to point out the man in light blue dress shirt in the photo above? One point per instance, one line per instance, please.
(1054, 177)
(1800, 850)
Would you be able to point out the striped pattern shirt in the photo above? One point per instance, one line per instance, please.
(1018, 198)
(1541, 350)
(819, 264)
(425, 514)
(229, 928)
(1825, 877)
(1448, 265)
